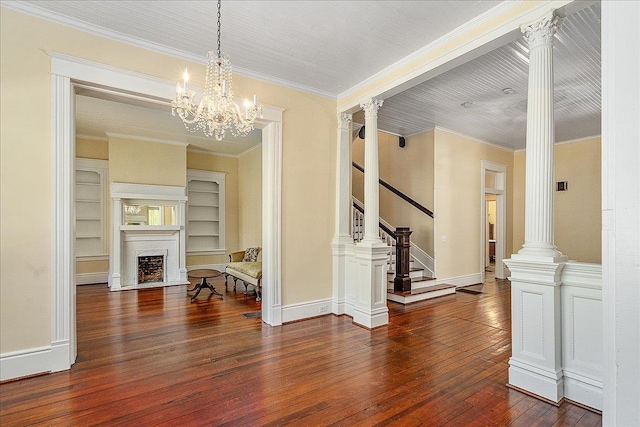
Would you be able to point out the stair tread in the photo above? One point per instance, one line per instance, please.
(434, 288)
(419, 279)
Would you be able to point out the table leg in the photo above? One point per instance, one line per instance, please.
(205, 284)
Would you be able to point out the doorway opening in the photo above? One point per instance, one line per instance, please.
(493, 219)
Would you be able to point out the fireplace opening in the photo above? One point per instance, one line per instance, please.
(150, 268)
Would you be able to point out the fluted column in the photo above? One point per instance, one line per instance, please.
(343, 180)
(371, 173)
(342, 237)
(536, 338)
(540, 141)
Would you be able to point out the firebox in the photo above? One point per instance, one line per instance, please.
(151, 268)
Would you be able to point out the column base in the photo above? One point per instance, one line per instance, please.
(370, 302)
(537, 380)
(371, 318)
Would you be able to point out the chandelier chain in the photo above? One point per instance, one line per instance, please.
(219, 28)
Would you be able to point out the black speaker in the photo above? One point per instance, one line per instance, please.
(361, 133)
(401, 141)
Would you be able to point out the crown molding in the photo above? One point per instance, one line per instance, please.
(195, 150)
(571, 141)
(146, 139)
(255, 147)
(91, 137)
(32, 9)
(491, 144)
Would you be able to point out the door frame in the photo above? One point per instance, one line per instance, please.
(500, 191)
(66, 71)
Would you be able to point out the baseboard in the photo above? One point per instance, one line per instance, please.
(471, 279)
(25, 363)
(92, 278)
(424, 259)
(583, 390)
(293, 312)
(536, 380)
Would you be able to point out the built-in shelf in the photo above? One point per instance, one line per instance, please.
(91, 207)
(205, 211)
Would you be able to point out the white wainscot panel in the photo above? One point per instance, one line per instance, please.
(582, 333)
(532, 325)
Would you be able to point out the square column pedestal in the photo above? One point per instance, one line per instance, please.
(370, 304)
(536, 360)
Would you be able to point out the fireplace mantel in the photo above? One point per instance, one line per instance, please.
(129, 240)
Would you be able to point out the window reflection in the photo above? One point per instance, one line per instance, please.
(135, 214)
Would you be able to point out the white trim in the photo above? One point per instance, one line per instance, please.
(146, 139)
(306, 310)
(571, 141)
(65, 68)
(104, 257)
(92, 278)
(192, 149)
(18, 364)
(472, 44)
(500, 191)
(255, 147)
(424, 259)
(459, 281)
(583, 390)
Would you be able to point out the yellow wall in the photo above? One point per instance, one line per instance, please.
(145, 162)
(308, 188)
(577, 212)
(229, 166)
(458, 195)
(250, 198)
(408, 169)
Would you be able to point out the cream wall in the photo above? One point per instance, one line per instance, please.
(410, 170)
(229, 166)
(250, 198)
(308, 188)
(577, 213)
(145, 162)
(458, 195)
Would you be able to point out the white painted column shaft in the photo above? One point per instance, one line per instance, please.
(371, 173)
(343, 180)
(540, 141)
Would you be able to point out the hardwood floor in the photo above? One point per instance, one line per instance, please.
(151, 357)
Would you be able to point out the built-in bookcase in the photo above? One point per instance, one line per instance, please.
(91, 208)
(205, 212)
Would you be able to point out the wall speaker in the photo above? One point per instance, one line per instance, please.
(401, 142)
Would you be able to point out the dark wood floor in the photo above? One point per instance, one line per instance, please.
(150, 357)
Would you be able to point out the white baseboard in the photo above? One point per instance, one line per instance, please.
(583, 390)
(23, 363)
(293, 312)
(424, 259)
(92, 278)
(536, 380)
(470, 279)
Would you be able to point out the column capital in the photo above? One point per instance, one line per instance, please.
(541, 31)
(371, 106)
(343, 120)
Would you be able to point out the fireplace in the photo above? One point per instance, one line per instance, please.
(151, 268)
(148, 251)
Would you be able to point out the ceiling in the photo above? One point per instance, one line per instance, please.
(327, 47)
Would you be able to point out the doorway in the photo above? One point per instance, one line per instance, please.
(66, 73)
(493, 218)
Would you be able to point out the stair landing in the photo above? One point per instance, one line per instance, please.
(421, 294)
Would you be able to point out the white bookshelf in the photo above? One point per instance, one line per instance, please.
(205, 212)
(91, 208)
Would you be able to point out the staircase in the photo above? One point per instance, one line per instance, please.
(423, 284)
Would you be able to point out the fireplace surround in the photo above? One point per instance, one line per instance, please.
(147, 238)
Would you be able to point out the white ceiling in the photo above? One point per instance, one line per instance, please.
(327, 47)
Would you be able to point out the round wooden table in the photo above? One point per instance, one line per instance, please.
(204, 274)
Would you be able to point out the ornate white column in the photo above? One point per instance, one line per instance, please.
(371, 254)
(343, 237)
(115, 270)
(536, 361)
(371, 174)
(538, 227)
(182, 263)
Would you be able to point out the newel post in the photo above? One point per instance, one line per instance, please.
(402, 280)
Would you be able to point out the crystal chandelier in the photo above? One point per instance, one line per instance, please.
(217, 112)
